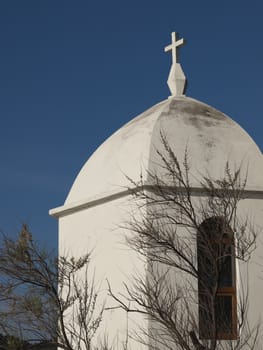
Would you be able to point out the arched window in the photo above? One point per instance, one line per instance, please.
(216, 280)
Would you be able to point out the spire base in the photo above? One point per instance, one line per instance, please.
(176, 80)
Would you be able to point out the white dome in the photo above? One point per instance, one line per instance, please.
(210, 136)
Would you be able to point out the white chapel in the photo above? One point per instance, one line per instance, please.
(100, 205)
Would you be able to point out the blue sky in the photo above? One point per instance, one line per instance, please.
(72, 72)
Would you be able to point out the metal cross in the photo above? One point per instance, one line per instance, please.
(174, 47)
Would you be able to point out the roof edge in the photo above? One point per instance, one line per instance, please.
(67, 209)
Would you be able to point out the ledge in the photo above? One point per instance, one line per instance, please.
(67, 209)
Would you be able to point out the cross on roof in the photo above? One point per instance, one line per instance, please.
(174, 47)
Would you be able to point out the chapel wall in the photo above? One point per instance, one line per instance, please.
(101, 229)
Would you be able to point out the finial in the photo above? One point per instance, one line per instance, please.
(176, 80)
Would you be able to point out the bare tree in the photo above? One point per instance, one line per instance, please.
(43, 298)
(191, 238)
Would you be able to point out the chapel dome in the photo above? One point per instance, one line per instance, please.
(211, 139)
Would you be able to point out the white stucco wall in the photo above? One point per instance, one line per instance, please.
(101, 229)
(253, 269)
(97, 229)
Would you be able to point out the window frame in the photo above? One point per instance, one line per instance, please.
(204, 235)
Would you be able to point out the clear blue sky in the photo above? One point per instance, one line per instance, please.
(72, 72)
